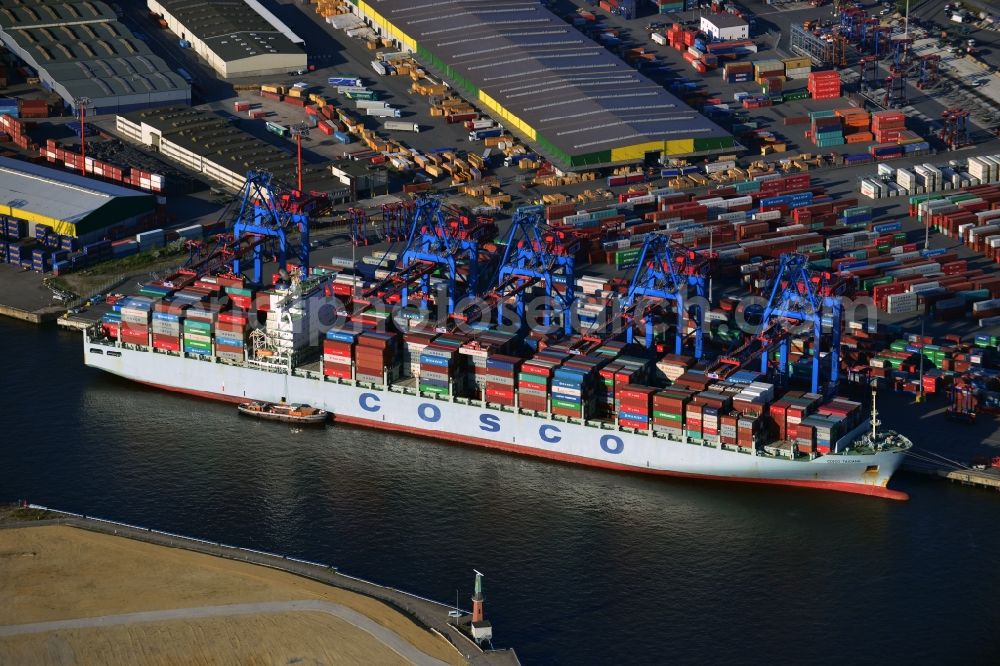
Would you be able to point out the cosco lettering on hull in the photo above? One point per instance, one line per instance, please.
(430, 413)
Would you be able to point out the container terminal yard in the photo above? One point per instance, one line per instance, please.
(726, 241)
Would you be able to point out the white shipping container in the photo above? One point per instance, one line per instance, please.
(979, 168)
(901, 303)
(383, 113)
(194, 231)
(715, 167)
(994, 162)
(986, 306)
(736, 216)
(870, 189)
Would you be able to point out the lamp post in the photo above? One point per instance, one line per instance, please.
(711, 246)
(81, 107)
(927, 233)
(298, 131)
(920, 389)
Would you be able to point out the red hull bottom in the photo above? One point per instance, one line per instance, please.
(856, 489)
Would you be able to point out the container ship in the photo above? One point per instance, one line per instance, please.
(611, 405)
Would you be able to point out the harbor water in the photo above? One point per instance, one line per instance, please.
(582, 566)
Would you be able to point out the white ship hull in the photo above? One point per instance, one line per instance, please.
(471, 422)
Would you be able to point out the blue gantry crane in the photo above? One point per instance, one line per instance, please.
(667, 272)
(536, 253)
(799, 298)
(439, 241)
(262, 213)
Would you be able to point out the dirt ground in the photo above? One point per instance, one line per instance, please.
(58, 573)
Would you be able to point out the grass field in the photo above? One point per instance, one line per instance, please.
(59, 573)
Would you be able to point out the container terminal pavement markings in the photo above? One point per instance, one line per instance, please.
(386, 636)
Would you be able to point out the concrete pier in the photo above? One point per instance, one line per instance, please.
(24, 296)
(980, 478)
(43, 316)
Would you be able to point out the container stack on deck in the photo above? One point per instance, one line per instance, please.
(500, 380)
(230, 335)
(338, 354)
(375, 357)
(437, 367)
(166, 326)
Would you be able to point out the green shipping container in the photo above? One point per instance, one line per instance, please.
(565, 404)
(534, 379)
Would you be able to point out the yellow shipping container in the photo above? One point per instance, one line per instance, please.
(796, 63)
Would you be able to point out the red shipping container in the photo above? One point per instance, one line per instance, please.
(337, 370)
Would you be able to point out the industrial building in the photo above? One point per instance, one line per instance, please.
(69, 204)
(81, 50)
(235, 37)
(725, 27)
(569, 97)
(208, 144)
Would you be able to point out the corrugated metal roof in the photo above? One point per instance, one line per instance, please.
(85, 49)
(212, 137)
(55, 194)
(571, 90)
(26, 13)
(234, 29)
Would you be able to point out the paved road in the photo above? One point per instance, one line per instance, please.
(389, 638)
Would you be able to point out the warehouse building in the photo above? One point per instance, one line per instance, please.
(235, 37)
(69, 204)
(725, 27)
(80, 50)
(208, 144)
(569, 97)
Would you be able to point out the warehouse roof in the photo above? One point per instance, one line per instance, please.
(234, 29)
(548, 79)
(87, 41)
(83, 48)
(96, 60)
(725, 20)
(55, 194)
(215, 139)
(27, 13)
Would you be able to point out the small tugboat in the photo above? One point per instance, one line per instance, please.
(301, 414)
